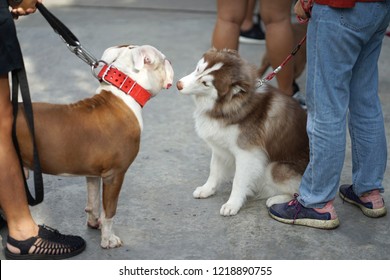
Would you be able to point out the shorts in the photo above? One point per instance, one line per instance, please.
(10, 53)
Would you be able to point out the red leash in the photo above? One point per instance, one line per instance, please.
(306, 5)
(270, 76)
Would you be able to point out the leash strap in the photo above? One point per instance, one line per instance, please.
(58, 26)
(307, 6)
(67, 36)
(270, 76)
(19, 80)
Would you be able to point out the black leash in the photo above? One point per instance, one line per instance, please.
(19, 80)
(68, 37)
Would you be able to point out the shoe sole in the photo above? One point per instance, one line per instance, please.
(12, 256)
(372, 213)
(328, 224)
(246, 40)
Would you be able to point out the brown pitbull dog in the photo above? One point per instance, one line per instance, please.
(99, 137)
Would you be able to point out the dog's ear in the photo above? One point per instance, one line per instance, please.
(111, 54)
(236, 89)
(141, 57)
(245, 81)
(169, 74)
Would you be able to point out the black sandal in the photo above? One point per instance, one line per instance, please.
(3, 222)
(48, 245)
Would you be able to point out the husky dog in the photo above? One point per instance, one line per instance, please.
(258, 138)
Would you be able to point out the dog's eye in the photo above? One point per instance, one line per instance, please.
(205, 84)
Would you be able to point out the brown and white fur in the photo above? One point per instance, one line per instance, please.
(98, 137)
(260, 138)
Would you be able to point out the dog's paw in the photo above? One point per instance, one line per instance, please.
(94, 224)
(112, 242)
(203, 192)
(230, 209)
(92, 219)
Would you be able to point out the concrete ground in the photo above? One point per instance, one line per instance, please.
(157, 217)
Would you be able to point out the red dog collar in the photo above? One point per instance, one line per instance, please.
(113, 76)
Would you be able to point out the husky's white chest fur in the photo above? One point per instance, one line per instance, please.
(213, 131)
(258, 139)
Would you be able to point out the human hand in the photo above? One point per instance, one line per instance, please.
(299, 11)
(22, 8)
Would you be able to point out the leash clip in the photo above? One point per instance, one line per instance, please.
(95, 66)
(83, 54)
(67, 36)
(260, 83)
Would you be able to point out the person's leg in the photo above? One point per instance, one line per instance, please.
(230, 16)
(248, 20)
(327, 84)
(276, 15)
(329, 74)
(26, 240)
(366, 123)
(13, 199)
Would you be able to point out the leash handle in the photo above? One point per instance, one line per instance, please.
(67, 36)
(307, 5)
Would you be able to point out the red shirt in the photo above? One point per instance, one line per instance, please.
(342, 3)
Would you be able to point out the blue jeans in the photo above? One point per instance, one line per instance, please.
(343, 47)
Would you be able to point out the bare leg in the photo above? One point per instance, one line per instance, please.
(231, 14)
(248, 20)
(276, 15)
(12, 194)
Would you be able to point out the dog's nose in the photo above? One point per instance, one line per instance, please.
(179, 85)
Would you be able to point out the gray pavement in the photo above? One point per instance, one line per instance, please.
(157, 217)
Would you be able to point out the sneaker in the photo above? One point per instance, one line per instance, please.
(255, 35)
(298, 96)
(49, 244)
(294, 212)
(371, 203)
(295, 87)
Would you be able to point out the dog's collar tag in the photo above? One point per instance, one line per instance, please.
(115, 77)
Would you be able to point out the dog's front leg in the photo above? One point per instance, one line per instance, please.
(111, 189)
(93, 202)
(250, 168)
(220, 169)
